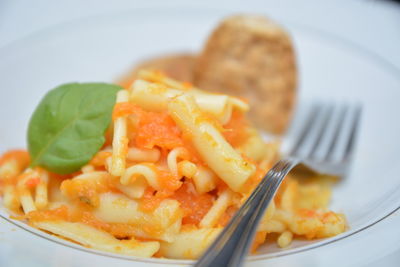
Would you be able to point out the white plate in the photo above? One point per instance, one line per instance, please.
(102, 48)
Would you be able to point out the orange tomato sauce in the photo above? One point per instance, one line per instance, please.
(21, 156)
(235, 130)
(194, 205)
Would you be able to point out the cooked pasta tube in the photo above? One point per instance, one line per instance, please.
(85, 187)
(41, 192)
(157, 77)
(162, 223)
(187, 169)
(217, 210)
(10, 198)
(204, 180)
(120, 140)
(143, 155)
(215, 151)
(172, 159)
(24, 193)
(94, 238)
(137, 178)
(254, 147)
(285, 239)
(134, 190)
(8, 170)
(272, 226)
(155, 97)
(189, 244)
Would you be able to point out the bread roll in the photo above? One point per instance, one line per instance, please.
(252, 57)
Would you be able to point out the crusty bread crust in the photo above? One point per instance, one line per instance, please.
(252, 57)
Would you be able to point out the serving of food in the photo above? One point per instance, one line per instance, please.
(157, 165)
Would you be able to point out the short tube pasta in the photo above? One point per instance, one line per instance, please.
(41, 194)
(162, 224)
(176, 165)
(143, 155)
(94, 238)
(204, 180)
(216, 211)
(25, 196)
(214, 149)
(189, 244)
(139, 176)
(172, 159)
(285, 239)
(120, 140)
(155, 97)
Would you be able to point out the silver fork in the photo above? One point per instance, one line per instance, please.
(325, 145)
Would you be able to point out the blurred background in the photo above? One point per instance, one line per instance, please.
(375, 24)
(372, 24)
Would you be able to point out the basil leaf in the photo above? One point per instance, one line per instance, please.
(68, 126)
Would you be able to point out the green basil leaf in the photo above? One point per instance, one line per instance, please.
(68, 126)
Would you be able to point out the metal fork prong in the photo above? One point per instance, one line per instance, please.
(341, 114)
(344, 129)
(311, 116)
(355, 122)
(317, 153)
(328, 135)
(307, 144)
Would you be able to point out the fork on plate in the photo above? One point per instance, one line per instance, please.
(325, 145)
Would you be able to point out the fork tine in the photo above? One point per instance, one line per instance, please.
(342, 109)
(317, 153)
(311, 116)
(353, 131)
(345, 128)
(329, 133)
(311, 134)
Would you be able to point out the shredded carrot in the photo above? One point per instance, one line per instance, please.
(235, 130)
(127, 81)
(258, 240)
(109, 137)
(282, 188)
(150, 201)
(100, 158)
(168, 181)
(156, 129)
(31, 183)
(21, 156)
(254, 180)
(194, 205)
(123, 109)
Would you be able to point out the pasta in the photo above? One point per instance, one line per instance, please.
(120, 140)
(177, 165)
(210, 144)
(96, 239)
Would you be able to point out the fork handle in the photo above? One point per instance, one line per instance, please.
(232, 245)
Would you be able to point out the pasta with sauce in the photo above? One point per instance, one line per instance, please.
(177, 164)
